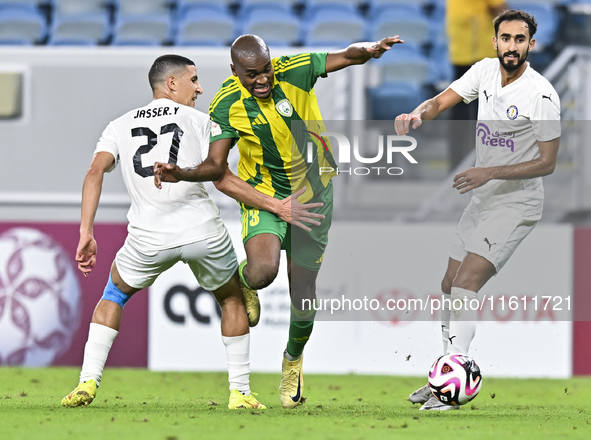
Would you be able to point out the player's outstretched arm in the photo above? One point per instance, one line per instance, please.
(359, 53)
(294, 212)
(428, 110)
(211, 169)
(288, 209)
(91, 193)
(542, 166)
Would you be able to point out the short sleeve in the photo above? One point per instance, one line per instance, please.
(108, 143)
(205, 138)
(201, 126)
(220, 127)
(301, 70)
(468, 85)
(545, 115)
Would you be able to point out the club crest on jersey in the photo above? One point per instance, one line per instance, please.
(284, 107)
(512, 112)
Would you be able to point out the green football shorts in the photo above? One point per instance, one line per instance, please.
(306, 249)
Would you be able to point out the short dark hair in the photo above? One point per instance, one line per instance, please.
(163, 66)
(514, 14)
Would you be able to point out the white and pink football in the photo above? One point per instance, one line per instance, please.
(455, 379)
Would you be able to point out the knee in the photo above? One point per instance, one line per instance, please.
(466, 281)
(261, 275)
(115, 294)
(446, 285)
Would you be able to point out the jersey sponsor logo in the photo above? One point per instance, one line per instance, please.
(547, 97)
(284, 107)
(486, 96)
(512, 112)
(216, 130)
(495, 139)
(259, 120)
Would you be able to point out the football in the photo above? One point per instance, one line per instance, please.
(39, 298)
(455, 379)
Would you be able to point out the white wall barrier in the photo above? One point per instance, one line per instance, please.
(405, 261)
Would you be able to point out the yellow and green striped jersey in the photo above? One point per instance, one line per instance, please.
(273, 134)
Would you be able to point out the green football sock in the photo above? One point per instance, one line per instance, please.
(301, 324)
(241, 275)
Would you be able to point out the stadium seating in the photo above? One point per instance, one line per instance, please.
(88, 29)
(75, 22)
(311, 7)
(406, 63)
(408, 22)
(547, 2)
(547, 21)
(422, 60)
(437, 31)
(78, 7)
(247, 4)
(336, 26)
(142, 7)
(276, 24)
(21, 3)
(375, 5)
(184, 6)
(390, 99)
(207, 25)
(440, 69)
(142, 30)
(22, 24)
(316, 3)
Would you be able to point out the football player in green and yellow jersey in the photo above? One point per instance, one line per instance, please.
(268, 108)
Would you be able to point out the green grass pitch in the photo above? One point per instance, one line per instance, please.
(139, 404)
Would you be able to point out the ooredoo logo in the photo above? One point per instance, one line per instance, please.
(192, 295)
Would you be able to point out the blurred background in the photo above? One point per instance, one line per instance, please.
(68, 67)
(443, 38)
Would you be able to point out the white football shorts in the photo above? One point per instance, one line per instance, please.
(493, 235)
(212, 261)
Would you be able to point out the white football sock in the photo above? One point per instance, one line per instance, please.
(445, 314)
(96, 350)
(462, 325)
(238, 354)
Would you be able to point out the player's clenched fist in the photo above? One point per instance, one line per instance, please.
(403, 121)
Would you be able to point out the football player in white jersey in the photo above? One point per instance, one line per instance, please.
(176, 223)
(518, 134)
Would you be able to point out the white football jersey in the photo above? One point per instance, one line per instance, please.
(163, 131)
(511, 122)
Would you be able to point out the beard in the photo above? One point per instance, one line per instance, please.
(512, 67)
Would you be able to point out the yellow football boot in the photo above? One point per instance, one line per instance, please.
(239, 401)
(84, 394)
(292, 383)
